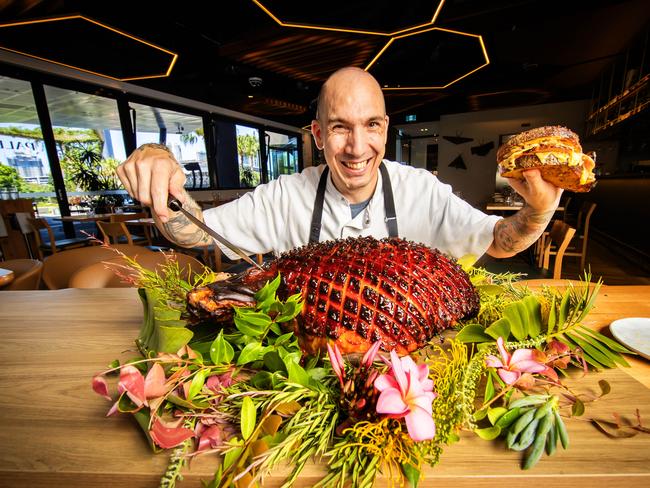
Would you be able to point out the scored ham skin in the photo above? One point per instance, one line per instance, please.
(358, 291)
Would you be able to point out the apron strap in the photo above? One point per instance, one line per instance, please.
(389, 202)
(317, 215)
(389, 205)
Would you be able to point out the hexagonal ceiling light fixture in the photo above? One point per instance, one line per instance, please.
(115, 54)
(429, 13)
(412, 50)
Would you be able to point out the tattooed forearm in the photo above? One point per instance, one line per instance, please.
(516, 233)
(180, 230)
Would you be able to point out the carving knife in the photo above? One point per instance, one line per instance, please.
(176, 206)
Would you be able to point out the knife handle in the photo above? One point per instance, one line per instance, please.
(174, 204)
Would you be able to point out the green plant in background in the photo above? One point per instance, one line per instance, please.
(9, 177)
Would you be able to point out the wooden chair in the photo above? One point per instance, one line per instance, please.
(118, 233)
(58, 268)
(560, 235)
(582, 233)
(103, 274)
(27, 273)
(50, 245)
(140, 231)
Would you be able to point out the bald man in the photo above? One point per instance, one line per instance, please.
(357, 193)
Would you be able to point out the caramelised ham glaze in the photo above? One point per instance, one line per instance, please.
(356, 291)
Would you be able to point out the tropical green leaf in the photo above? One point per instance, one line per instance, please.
(296, 372)
(599, 356)
(564, 309)
(251, 323)
(494, 414)
(197, 383)
(612, 344)
(574, 345)
(252, 352)
(578, 408)
(492, 290)
(488, 433)
(412, 474)
(517, 316)
(489, 389)
(551, 317)
(221, 352)
(534, 309)
(473, 333)
(612, 355)
(248, 417)
(266, 296)
(500, 328)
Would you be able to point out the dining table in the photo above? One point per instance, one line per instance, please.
(54, 431)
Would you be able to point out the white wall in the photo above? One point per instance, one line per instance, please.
(476, 184)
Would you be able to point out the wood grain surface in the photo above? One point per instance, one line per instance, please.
(53, 429)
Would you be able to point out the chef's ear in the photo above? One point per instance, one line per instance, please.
(317, 133)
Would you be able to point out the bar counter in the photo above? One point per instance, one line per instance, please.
(53, 429)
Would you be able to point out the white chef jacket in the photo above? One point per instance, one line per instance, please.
(277, 216)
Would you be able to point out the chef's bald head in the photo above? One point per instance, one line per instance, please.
(342, 80)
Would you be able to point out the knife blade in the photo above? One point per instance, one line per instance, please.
(176, 206)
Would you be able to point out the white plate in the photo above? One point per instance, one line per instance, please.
(634, 333)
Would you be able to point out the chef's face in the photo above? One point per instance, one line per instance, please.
(351, 129)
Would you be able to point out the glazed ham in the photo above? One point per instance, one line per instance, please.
(356, 292)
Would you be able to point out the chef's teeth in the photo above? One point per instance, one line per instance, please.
(356, 165)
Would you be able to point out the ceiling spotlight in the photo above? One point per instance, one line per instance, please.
(250, 96)
(255, 81)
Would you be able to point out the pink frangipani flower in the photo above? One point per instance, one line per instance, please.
(510, 367)
(407, 391)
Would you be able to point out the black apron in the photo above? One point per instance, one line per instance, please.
(389, 205)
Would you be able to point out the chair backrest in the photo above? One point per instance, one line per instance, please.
(27, 273)
(59, 267)
(560, 235)
(584, 217)
(39, 224)
(112, 231)
(103, 274)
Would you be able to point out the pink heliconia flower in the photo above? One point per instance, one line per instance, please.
(169, 434)
(510, 367)
(337, 362)
(407, 391)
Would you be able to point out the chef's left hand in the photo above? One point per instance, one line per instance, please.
(538, 193)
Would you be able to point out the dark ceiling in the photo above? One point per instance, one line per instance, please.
(539, 51)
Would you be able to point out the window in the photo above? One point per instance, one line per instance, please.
(282, 153)
(182, 133)
(90, 146)
(248, 156)
(24, 165)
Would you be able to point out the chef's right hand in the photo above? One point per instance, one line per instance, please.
(150, 174)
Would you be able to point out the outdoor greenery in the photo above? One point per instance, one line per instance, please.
(80, 156)
(248, 148)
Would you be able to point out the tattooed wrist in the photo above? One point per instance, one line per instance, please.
(183, 231)
(516, 233)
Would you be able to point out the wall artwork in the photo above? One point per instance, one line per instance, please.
(482, 149)
(458, 163)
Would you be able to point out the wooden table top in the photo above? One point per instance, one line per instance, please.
(88, 217)
(53, 429)
(6, 276)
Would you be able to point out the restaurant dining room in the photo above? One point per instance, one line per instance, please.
(264, 244)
